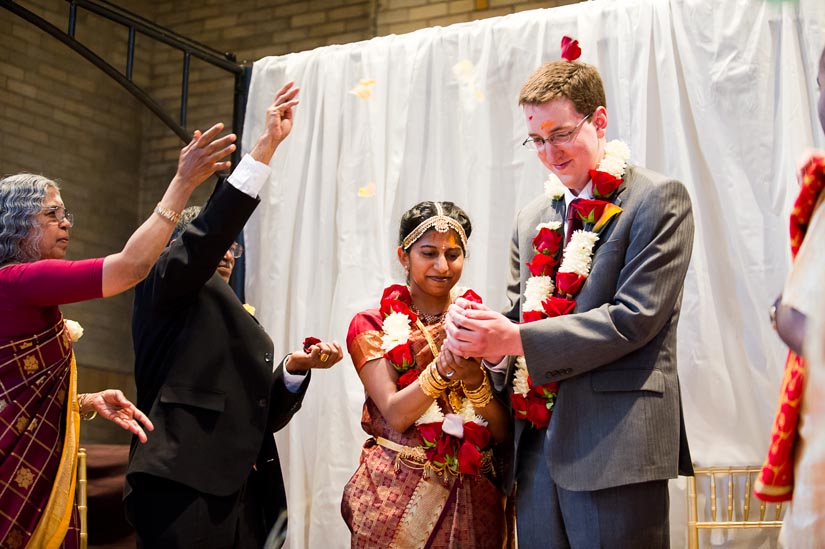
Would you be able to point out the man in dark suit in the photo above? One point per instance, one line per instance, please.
(209, 477)
(596, 476)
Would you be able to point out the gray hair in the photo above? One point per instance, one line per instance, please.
(21, 199)
(186, 217)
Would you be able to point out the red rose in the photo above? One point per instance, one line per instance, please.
(400, 357)
(408, 377)
(569, 283)
(309, 342)
(442, 451)
(397, 292)
(470, 295)
(548, 242)
(532, 316)
(430, 433)
(570, 49)
(552, 387)
(469, 459)
(604, 184)
(476, 434)
(519, 404)
(558, 306)
(389, 306)
(542, 265)
(588, 211)
(537, 412)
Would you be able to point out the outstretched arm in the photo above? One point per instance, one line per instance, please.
(197, 161)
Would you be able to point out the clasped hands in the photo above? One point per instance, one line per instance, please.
(474, 330)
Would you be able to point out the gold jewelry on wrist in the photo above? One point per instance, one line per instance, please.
(431, 385)
(88, 416)
(441, 380)
(166, 213)
(480, 396)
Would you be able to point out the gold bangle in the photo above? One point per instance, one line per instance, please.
(480, 396)
(437, 375)
(429, 386)
(439, 381)
(166, 213)
(88, 416)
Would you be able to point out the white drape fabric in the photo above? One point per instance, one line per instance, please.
(718, 93)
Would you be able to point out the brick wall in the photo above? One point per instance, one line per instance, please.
(62, 117)
(65, 119)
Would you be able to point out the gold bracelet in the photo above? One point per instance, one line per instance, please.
(88, 416)
(480, 396)
(439, 379)
(166, 213)
(429, 385)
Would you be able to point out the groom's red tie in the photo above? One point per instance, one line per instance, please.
(573, 221)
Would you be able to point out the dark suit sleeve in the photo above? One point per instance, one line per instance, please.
(193, 258)
(514, 279)
(284, 403)
(649, 286)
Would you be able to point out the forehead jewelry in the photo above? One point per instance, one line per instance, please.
(440, 223)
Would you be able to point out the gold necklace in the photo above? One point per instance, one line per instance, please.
(428, 318)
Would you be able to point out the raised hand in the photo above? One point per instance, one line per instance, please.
(279, 117)
(201, 157)
(111, 404)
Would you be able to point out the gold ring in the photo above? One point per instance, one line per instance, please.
(324, 357)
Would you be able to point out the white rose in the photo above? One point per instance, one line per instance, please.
(74, 329)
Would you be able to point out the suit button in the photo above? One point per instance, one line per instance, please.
(267, 357)
(262, 403)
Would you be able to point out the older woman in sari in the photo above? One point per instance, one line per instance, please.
(427, 476)
(39, 405)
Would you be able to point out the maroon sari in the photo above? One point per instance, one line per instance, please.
(38, 441)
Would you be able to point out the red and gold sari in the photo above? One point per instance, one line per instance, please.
(39, 436)
(391, 502)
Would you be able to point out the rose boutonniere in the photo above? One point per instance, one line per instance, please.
(551, 290)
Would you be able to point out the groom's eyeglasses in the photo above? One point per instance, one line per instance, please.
(559, 138)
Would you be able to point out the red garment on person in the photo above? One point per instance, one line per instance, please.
(31, 292)
(38, 433)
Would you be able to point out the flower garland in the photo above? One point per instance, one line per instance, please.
(559, 272)
(453, 443)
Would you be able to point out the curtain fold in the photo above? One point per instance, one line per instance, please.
(718, 93)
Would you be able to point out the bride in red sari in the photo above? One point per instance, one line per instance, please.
(39, 405)
(427, 476)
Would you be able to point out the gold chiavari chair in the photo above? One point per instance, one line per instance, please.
(81, 497)
(736, 486)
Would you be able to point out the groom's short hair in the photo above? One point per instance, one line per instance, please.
(578, 82)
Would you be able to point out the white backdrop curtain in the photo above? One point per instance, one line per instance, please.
(719, 93)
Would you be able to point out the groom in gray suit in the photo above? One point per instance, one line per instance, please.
(596, 476)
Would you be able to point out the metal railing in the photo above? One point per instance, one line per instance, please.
(135, 24)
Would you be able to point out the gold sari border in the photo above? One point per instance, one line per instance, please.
(54, 521)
